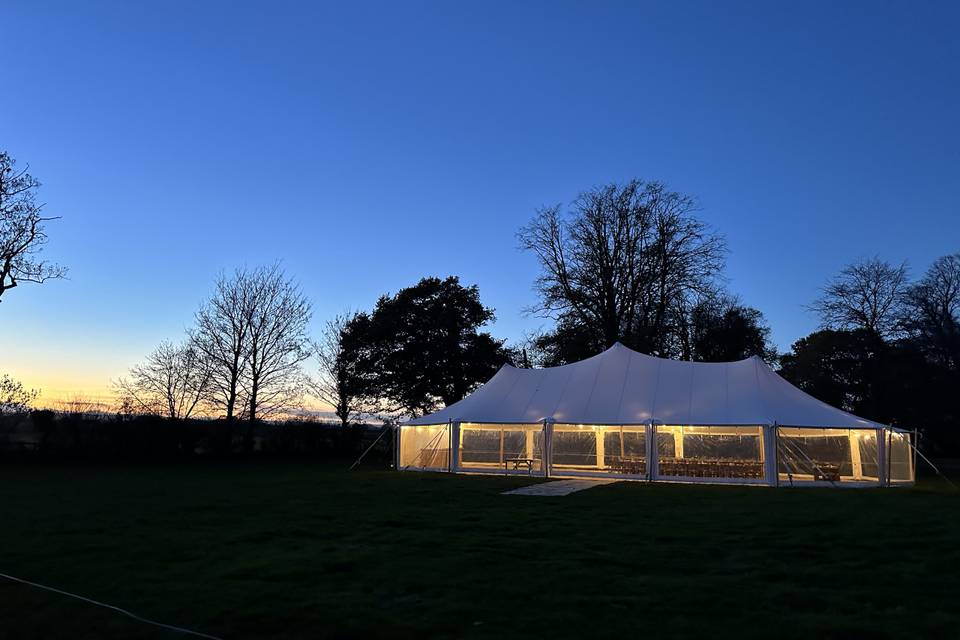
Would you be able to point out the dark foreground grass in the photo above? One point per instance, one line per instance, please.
(293, 550)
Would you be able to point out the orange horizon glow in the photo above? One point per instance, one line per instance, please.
(62, 393)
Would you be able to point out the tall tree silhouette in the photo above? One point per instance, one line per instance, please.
(336, 383)
(278, 343)
(222, 335)
(626, 263)
(423, 347)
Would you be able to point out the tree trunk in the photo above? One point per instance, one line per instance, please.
(248, 437)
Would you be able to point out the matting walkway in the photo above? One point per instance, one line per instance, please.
(557, 488)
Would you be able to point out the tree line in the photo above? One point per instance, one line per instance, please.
(888, 347)
(629, 263)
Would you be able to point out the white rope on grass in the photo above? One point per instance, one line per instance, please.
(110, 606)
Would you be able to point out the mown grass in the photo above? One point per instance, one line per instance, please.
(296, 550)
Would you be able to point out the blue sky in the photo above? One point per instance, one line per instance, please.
(367, 145)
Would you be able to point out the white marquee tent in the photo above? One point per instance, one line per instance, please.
(629, 415)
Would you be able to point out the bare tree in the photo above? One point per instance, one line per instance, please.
(222, 335)
(172, 382)
(932, 311)
(336, 383)
(14, 398)
(623, 262)
(866, 295)
(22, 229)
(278, 343)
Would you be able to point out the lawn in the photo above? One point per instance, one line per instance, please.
(298, 550)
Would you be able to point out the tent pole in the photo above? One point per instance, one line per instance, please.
(396, 448)
(887, 453)
(881, 457)
(454, 446)
(770, 454)
(651, 451)
(916, 440)
(776, 454)
(547, 448)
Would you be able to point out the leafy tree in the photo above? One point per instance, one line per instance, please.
(831, 366)
(891, 382)
(723, 330)
(626, 263)
(568, 342)
(423, 347)
(14, 398)
(22, 229)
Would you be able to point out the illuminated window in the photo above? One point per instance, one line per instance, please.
(425, 447)
(710, 452)
(827, 455)
(900, 464)
(595, 450)
(502, 447)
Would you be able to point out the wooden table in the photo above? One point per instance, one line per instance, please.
(518, 462)
(826, 471)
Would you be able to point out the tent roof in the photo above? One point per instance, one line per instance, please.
(622, 386)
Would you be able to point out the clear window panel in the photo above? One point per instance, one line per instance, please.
(425, 447)
(479, 445)
(710, 452)
(901, 457)
(828, 455)
(575, 448)
(501, 447)
(600, 449)
(625, 450)
(666, 445)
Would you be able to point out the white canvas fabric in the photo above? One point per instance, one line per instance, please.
(623, 387)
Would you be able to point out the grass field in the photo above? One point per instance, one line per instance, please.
(296, 550)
